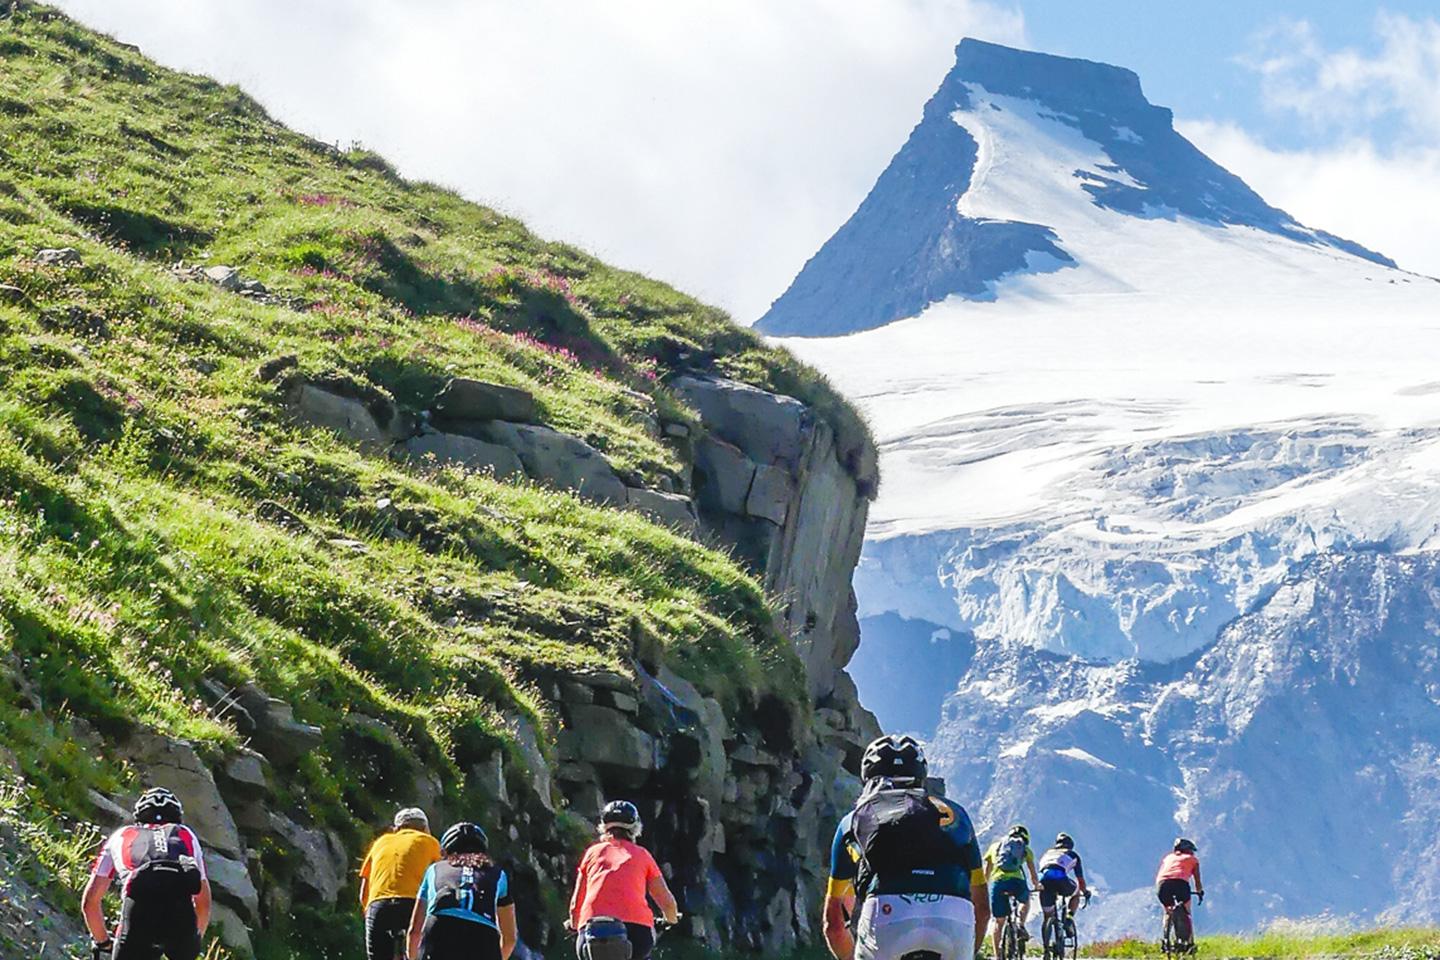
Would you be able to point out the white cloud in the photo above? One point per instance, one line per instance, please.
(1386, 200)
(1348, 89)
(713, 144)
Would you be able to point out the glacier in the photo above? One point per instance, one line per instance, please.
(1160, 513)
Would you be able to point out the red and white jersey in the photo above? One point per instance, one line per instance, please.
(130, 847)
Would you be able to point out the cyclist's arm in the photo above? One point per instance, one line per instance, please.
(578, 897)
(1080, 874)
(506, 916)
(660, 892)
(202, 906)
(980, 898)
(839, 895)
(417, 927)
(1030, 862)
(92, 907)
(365, 882)
(1199, 885)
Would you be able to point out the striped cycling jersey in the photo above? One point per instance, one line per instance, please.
(130, 847)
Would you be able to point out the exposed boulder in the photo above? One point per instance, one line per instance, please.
(173, 764)
(726, 475)
(346, 416)
(276, 733)
(770, 494)
(59, 257)
(769, 428)
(560, 460)
(468, 452)
(670, 509)
(609, 741)
(231, 929)
(320, 853)
(226, 278)
(231, 885)
(466, 399)
(528, 743)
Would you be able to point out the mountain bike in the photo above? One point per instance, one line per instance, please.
(1177, 934)
(1012, 933)
(1058, 934)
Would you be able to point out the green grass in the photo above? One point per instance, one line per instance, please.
(142, 459)
(1393, 944)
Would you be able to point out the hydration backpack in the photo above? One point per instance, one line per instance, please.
(163, 864)
(465, 887)
(1010, 855)
(899, 832)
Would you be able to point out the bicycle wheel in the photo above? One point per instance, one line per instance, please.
(1007, 941)
(1167, 936)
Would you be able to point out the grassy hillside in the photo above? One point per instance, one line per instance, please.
(163, 522)
(1399, 943)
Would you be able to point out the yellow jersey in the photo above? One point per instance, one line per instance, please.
(397, 862)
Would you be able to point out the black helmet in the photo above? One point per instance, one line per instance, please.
(897, 758)
(1065, 842)
(158, 805)
(1020, 831)
(1183, 845)
(623, 814)
(465, 837)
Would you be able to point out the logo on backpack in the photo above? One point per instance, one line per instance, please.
(1011, 855)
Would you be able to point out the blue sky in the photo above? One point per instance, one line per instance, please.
(717, 144)
(1193, 56)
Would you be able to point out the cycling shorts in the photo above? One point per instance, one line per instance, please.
(894, 924)
(454, 938)
(150, 930)
(1171, 892)
(387, 925)
(1002, 890)
(1052, 888)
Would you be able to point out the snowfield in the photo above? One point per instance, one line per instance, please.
(1160, 502)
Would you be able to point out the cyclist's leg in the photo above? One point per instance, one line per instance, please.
(642, 940)
(999, 910)
(450, 938)
(137, 937)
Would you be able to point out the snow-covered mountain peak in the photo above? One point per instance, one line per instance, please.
(1023, 163)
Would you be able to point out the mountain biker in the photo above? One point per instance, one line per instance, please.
(608, 907)
(1172, 881)
(1062, 875)
(165, 905)
(905, 867)
(463, 909)
(390, 878)
(1005, 864)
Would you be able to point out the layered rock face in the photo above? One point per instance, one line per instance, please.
(739, 797)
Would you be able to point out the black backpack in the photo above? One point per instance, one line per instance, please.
(164, 868)
(466, 887)
(898, 832)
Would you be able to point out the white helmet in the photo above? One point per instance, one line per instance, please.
(410, 815)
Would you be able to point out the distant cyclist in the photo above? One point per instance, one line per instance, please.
(165, 896)
(1006, 862)
(905, 868)
(464, 909)
(389, 879)
(1172, 882)
(1062, 875)
(609, 911)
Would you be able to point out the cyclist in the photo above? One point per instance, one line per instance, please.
(1005, 864)
(463, 909)
(165, 896)
(905, 867)
(615, 875)
(390, 878)
(1172, 882)
(1062, 875)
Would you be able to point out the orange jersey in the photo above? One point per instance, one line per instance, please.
(612, 881)
(1178, 866)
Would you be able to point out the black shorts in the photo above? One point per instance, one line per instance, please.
(151, 930)
(387, 924)
(1171, 892)
(451, 938)
(1053, 888)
